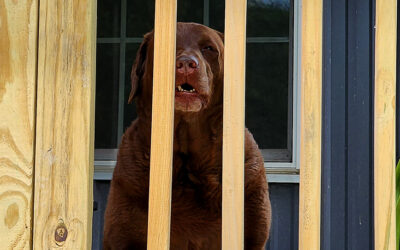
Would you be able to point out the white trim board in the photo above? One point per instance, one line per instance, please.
(103, 170)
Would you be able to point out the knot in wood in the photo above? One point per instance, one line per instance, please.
(61, 233)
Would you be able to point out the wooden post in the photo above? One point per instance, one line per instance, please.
(162, 125)
(18, 52)
(233, 127)
(65, 124)
(384, 124)
(310, 131)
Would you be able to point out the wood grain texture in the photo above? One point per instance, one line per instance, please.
(310, 127)
(63, 197)
(384, 124)
(18, 57)
(233, 127)
(162, 125)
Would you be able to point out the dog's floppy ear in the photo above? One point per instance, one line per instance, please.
(138, 67)
(221, 56)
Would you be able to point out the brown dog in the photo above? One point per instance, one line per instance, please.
(197, 156)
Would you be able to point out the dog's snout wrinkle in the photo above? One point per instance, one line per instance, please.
(188, 58)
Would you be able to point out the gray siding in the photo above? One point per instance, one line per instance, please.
(285, 217)
(100, 193)
(347, 172)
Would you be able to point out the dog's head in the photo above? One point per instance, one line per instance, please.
(199, 69)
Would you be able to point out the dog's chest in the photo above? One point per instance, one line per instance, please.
(196, 181)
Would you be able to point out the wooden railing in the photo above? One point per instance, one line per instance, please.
(310, 125)
(233, 125)
(162, 127)
(385, 124)
(47, 71)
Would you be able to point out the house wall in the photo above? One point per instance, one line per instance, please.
(347, 172)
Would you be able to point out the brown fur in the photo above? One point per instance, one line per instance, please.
(197, 157)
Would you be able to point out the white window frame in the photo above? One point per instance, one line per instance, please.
(288, 172)
(277, 172)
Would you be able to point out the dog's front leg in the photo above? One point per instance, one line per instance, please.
(257, 219)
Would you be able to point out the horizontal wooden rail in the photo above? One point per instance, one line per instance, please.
(384, 124)
(233, 127)
(162, 125)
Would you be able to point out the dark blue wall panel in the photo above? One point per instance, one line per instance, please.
(100, 193)
(285, 217)
(347, 174)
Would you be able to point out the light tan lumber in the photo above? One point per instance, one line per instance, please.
(159, 220)
(233, 127)
(65, 124)
(384, 125)
(310, 131)
(18, 52)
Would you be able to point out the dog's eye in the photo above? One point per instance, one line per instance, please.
(208, 48)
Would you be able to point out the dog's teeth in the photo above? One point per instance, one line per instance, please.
(180, 89)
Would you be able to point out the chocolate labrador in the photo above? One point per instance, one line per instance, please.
(197, 154)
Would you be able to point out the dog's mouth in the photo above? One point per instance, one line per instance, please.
(187, 98)
(185, 88)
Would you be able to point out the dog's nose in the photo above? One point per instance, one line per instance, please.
(186, 64)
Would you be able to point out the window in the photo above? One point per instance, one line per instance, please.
(271, 73)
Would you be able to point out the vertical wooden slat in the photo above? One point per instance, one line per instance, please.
(310, 131)
(65, 124)
(233, 129)
(162, 125)
(18, 57)
(384, 124)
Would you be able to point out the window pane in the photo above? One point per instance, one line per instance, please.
(268, 18)
(140, 15)
(190, 11)
(268, 76)
(108, 18)
(217, 14)
(267, 93)
(107, 64)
